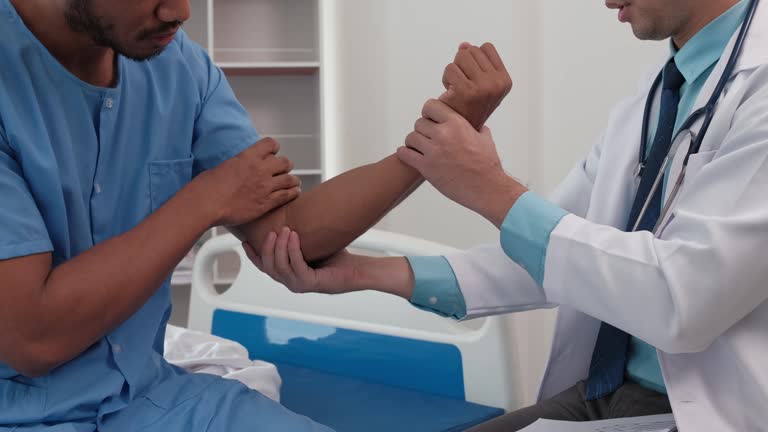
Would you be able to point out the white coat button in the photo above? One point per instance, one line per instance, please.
(433, 300)
(97, 188)
(109, 103)
(117, 348)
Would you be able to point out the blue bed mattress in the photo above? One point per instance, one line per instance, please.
(354, 381)
(352, 405)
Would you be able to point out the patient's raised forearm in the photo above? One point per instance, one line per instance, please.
(338, 211)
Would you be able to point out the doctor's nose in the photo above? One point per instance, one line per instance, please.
(173, 11)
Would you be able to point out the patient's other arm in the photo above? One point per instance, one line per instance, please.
(334, 214)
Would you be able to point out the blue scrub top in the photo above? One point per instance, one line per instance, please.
(81, 164)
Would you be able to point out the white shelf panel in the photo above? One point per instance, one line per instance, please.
(280, 104)
(265, 30)
(269, 65)
(264, 56)
(302, 150)
(292, 136)
(310, 182)
(307, 172)
(287, 108)
(270, 68)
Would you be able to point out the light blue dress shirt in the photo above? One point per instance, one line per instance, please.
(80, 165)
(527, 228)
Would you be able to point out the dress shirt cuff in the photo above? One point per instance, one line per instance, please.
(436, 288)
(526, 230)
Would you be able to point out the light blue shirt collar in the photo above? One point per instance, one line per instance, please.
(707, 46)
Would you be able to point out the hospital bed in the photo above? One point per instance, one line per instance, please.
(362, 361)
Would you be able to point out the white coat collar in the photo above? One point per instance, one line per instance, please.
(753, 55)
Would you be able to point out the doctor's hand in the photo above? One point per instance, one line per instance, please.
(460, 162)
(476, 83)
(249, 185)
(281, 259)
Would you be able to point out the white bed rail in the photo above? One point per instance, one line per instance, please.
(484, 344)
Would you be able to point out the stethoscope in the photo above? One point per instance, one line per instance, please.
(707, 111)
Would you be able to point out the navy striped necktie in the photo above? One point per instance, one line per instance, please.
(609, 359)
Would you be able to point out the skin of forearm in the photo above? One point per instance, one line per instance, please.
(391, 275)
(338, 211)
(93, 293)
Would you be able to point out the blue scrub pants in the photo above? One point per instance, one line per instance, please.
(193, 403)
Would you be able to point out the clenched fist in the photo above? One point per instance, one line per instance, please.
(476, 83)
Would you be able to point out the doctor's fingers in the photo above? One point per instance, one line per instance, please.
(268, 255)
(298, 264)
(282, 263)
(426, 127)
(412, 158)
(291, 268)
(439, 111)
(420, 143)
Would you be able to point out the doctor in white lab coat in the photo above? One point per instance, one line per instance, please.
(696, 291)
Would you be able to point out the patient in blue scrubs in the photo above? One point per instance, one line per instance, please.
(120, 144)
(92, 142)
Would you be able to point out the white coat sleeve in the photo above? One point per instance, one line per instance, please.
(706, 272)
(491, 282)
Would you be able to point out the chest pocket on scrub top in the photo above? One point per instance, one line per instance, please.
(166, 177)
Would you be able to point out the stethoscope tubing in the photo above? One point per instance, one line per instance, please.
(708, 111)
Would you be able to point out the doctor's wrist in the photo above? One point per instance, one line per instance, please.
(501, 193)
(390, 275)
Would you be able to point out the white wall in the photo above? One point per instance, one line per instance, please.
(392, 56)
(585, 62)
(571, 61)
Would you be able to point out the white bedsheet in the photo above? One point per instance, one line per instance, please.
(199, 352)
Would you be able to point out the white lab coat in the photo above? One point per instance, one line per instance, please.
(697, 293)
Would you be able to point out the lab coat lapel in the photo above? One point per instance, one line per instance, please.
(753, 55)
